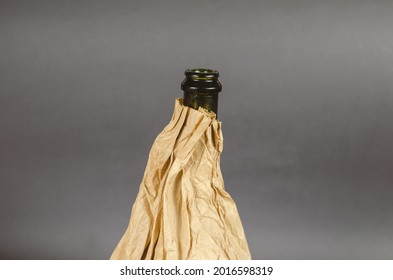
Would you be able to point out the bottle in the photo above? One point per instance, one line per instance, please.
(182, 211)
(201, 87)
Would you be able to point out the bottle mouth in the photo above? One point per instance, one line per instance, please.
(202, 81)
(201, 74)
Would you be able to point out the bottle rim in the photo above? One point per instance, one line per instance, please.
(201, 73)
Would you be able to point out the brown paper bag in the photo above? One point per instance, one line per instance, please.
(182, 210)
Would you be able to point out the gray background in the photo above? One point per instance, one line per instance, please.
(86, 86)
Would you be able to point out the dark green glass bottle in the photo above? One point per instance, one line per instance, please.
(201, 87)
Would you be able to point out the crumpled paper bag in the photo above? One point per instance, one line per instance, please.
(182, 210)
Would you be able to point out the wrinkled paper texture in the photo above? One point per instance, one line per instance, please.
(182, 211)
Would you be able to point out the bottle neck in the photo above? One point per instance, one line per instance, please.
(201, 87)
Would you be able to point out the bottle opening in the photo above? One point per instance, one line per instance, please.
(202, 74)
(202, 71)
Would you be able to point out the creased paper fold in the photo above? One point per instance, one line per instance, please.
(182, 210)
